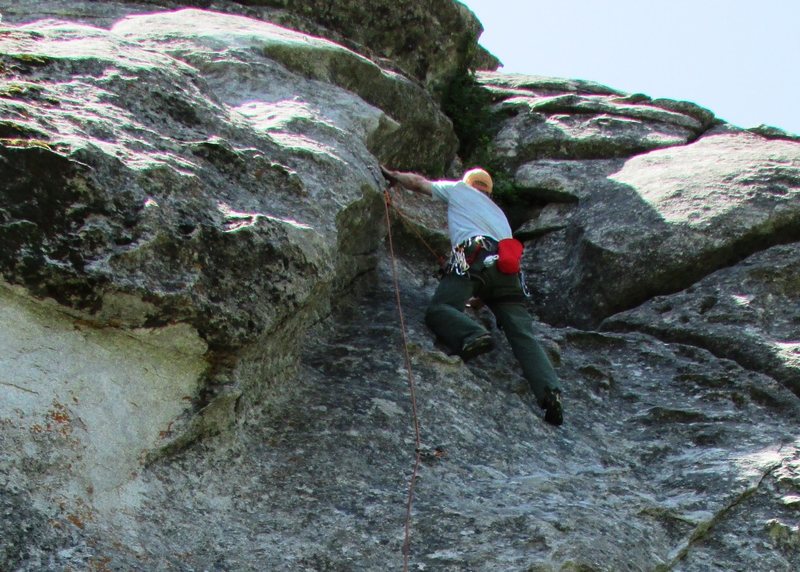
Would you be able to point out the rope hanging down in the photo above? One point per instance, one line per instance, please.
(402, 216)
(412, 390)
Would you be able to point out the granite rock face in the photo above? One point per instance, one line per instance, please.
(547, 117)
(429, 41)
(748, 313)
(201, 362)
(694, 208)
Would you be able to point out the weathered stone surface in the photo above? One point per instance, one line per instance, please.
(553, 118)
(224, 198)
(748, 313)
(145, 236)
(258, 136)
(100, 14)
(201, 364)
(688, 211)
(415, 131)
(503, 84)
(67, 385)
(431, 41)
(664, 444)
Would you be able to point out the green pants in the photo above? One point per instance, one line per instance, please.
(504, 296)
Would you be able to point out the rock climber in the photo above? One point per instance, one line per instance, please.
(484, 264)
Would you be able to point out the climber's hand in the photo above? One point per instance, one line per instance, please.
(389, 175)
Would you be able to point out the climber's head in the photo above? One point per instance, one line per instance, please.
(479, 179)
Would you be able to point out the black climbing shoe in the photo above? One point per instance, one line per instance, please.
(477, 346)
(553, 410)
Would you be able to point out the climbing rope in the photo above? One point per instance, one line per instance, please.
(412, 390)
(402, 216)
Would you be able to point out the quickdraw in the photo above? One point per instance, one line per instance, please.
(460, 262)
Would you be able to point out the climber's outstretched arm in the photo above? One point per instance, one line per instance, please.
(411, 181)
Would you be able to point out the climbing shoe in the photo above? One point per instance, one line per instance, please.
(477, 346)
(553, 410)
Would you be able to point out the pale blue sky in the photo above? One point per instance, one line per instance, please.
(738, 58)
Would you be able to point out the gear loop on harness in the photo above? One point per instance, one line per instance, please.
(465, 254)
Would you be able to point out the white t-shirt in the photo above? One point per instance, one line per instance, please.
(470, 212)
